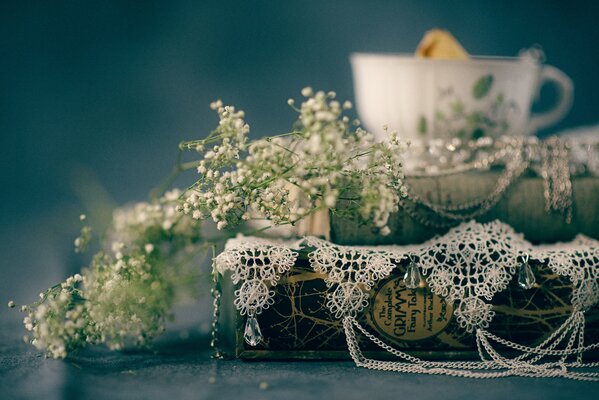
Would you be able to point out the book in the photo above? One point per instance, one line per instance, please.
(522, 206)
(299, 325)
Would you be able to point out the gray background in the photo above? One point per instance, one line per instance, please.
(95, 96)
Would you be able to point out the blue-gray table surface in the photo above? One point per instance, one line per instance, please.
(182, 369)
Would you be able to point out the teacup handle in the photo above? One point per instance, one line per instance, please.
(563, 104)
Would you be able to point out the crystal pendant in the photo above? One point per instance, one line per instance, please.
(252, 333)
(412, 276)
(526, 279)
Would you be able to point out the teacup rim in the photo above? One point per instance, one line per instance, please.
(409, 57)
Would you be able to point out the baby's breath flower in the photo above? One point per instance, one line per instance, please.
(285, 178)
(85, 236)
(307, 91)
(11, 304)
(215, 105)
(59, 323)
(124, 297)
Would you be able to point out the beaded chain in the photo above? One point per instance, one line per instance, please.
(216, 293)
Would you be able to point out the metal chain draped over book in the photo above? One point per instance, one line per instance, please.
(549, 158)
(467, 267)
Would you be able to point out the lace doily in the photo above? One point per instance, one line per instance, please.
(256, 264)
(466, 266)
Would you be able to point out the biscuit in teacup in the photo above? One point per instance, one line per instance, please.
(440, 44)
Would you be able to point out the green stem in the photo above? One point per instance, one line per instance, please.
(284, 135)
(177, 170)
(285, 148)
(359, 155)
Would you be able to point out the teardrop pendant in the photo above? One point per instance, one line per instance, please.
(412, 276)
(526, 278)
(252, 333)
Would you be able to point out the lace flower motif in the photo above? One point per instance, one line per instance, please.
(472, 262)
(473, 313)
(258, 266)
(351, 271)
(579, 261)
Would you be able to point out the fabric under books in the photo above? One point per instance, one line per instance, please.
(485, 291)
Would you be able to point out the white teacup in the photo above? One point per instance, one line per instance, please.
(442, 99)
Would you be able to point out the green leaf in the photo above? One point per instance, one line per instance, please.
(478, 133)
(457, 107)
(482, 86)
(475, 118)
(422, 125)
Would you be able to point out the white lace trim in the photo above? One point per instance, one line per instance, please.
(257, 264)
(467, 266)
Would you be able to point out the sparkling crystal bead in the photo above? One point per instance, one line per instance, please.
(412, 276)
(252, 333)
(526, 278)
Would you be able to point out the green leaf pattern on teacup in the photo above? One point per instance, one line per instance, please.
(422, 125)
(455, 120)
(482, 87)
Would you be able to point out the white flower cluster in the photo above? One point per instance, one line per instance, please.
(142, 224)
(383, 186)
(286, 177)
(230, 136)
(124, 297)
(127, 297)
(221, 149)
(326, 163)
(82, 241)
(59, 323)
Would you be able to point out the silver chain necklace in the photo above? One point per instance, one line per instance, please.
(516, 156)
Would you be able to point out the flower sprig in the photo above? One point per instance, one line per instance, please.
(58, 323)
(126, 294)
(325, 160)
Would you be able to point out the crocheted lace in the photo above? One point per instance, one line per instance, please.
(467, 266)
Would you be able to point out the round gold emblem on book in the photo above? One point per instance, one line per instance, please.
(400, 313)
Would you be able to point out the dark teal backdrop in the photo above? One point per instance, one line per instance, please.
(104, 91)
